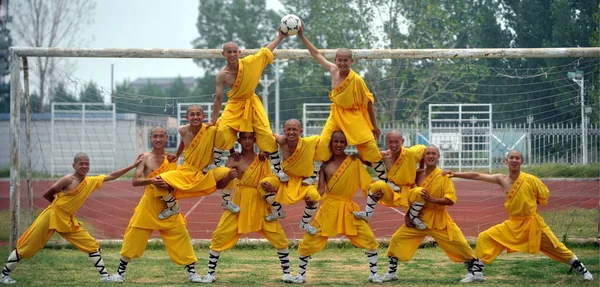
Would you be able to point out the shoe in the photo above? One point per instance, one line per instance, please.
(588, 276)
(308, 228)
(209, 167)
(105, 278)
(419, 224)
(362, 215)
(299, 279)
(7, 280)
(375, 278)
(283, 177)
(117, 277)
(195, 278)
(228, 205)
(393, 186)
(287, 278)
(309, 181)
(275, 215)
(390, 277)
(168, 212)
(473, 277)
(209, 278)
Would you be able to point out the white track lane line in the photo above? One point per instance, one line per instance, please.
(195, 205)
(396, 210)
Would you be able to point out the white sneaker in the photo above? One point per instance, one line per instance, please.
(287, 278)
(117, 277)
(362, 215)
(283, 177)
(309, 181)
(209, 167)
(308, 228)
(299, 279)
(375, 278)
(275, 215)
(195, 278)
(168, 212)
(7, 280)
(228, 205)
(588, 276)
(105, 278)
(393, 186)
(390, 277)
(476, 277)
(419, 224)
(209, 278)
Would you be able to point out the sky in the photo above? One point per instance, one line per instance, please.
(141, 24)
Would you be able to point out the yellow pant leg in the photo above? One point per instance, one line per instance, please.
(274, 181)
(82, 239)
(135, 242)
(389, 197)
(559, 253)
(487, 248)
(323, 152)
(364, 238)
(369, 151)
(179, 245)
(458, 250)
(225, 137)
(226, 235)
(35, 237)
(312, 193)
(405, 242)
(158, 192)
(414, 195)
(264, 138)
(312, 244)
(277, 238)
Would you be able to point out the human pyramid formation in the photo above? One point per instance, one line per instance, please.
(315, 169)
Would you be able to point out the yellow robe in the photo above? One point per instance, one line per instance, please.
(405, 242)
(188, 180)
(349, 114)
(523, 230)
(244, 112)
(298, 167)
(59, 217)
(253, 209)
(403, 174)
(144, 215)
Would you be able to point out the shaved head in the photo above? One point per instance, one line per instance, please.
(80, 156)
(293, 121)
(343, 51)
(514, 151)
(158, 129)
(431, 146)
(394, 133)
(194, 107)
(231, 45)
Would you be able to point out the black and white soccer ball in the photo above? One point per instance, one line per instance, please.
(290, 24)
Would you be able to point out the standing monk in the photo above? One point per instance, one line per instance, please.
(525, 230)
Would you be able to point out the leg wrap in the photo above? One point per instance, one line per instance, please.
(372, 257)
(393, 264)
(213, 259)
(11, 263)
(191, 268)
(123, 265)
(577, 265)
(379, 168)
(371, 203)
(284, 260)
(275, 161)
(96, 259)
(302, 263)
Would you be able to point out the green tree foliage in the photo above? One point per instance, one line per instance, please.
(5, 42)
(60, 94)
(91, 94)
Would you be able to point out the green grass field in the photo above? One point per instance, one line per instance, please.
(337, 265)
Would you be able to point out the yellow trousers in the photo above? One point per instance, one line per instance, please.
(38, 234)
(368, 151)
(488, 249)
(403, 198)
(176, 240)
(406, 241)
(309, 192)
(226, 235)
(227, 136)
(312, 244)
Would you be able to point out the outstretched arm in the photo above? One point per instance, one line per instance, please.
(275, 43)
(491, 178)
(218, 99)
(118, 173)
(315, 53)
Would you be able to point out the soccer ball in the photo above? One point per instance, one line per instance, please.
(290, 24)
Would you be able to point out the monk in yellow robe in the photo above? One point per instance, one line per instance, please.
(401, 164)
(244, 112)
(66, 196)
(341, 177)
(173, 230)
(351, 110)
(249, 169)
(525, 230)
(188, 180)
(298, 156)
(438, 192)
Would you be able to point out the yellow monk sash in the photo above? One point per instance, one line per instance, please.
(342, 86)
(338, 173)
(337, 197)
(534, 223)
(75, 191)
(516, 186)
(431, 177)
(196, 141)
(250, 170)
(238, 80)
(398, 164)
(294, 155)
(425, 185)
(162, 168)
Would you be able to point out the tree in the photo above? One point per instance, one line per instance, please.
(177, 91)
(61, 95)
(39, 23)
(91, 94)
(5, 42)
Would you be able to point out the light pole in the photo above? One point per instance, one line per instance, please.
(529, 122)
(473, 120)
(578, 78)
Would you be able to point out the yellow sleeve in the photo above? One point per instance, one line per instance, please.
(419, 152)
(264, 55)
(541, 191)
(449, 190)
(95, 182)
(365, 179)
(367, 95)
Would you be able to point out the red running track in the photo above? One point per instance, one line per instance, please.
(479, 206)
